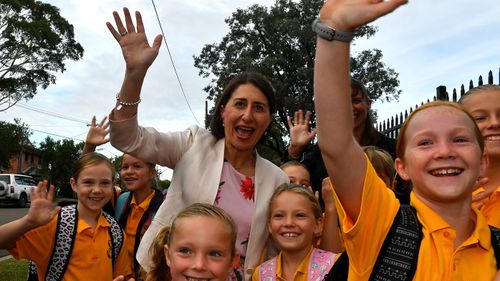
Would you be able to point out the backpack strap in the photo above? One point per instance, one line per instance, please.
(145, 222)
(495, 243)
(121, 204)
(398, 257)
(116, 235)
(320, 263)
(32, 272)
(64, 242)
(267, 270)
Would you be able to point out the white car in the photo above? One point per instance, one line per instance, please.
(16, 188)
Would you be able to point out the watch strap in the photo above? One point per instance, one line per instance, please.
(331, 34)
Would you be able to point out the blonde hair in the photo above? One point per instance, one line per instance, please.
(479, 89)
(381, 161)
(300, 190)
(160, 271)
(293, 163)
(91, 159)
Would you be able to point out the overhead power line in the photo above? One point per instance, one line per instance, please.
(173, 64)
(43, 111)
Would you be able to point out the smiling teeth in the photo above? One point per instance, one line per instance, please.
(492, 138)
(290, 234)
(446, 172)
(196, 279)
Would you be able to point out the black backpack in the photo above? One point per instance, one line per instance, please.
(398, 257)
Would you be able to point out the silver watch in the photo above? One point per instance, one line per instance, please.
(329, 33)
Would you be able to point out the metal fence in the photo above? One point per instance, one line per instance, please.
(390, 127)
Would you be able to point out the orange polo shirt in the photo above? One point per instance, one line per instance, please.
(299, 275)
(91, 257)
(491, 207)
(438, 260)
(135, 215)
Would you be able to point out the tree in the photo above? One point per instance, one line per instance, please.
(34, 42)
(13, 138)
(279, 43)
(57, 160)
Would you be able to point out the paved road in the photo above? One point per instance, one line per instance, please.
(7, 214)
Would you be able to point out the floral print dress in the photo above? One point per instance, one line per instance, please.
(236, 196)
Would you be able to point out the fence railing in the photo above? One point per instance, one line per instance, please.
(390, 127)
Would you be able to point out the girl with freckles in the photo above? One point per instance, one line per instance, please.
(440, 150)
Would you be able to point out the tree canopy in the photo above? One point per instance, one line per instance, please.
(14, 137)
(34, 42)
(57, 159)
(278, 42)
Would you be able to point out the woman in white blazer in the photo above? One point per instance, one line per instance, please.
(220, 166)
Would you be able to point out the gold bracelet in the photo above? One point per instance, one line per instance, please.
(122, 103)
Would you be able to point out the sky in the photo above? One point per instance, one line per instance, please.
(428, 42)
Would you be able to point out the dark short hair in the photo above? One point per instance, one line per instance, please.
(254, 78)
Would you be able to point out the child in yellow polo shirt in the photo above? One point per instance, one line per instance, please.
(440, 150)
(295, 223)
(483, 103)
(134, 209)
(91, 257)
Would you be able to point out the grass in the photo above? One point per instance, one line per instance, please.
(14, 270)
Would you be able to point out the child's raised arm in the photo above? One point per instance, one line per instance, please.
(343, 157)
(97, 135)
(39, 213)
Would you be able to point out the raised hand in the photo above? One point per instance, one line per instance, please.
(477, 199)
(138, 54)
(97, 134)
(41, 211)
(347, 15)
(327, 195)
(300, 135)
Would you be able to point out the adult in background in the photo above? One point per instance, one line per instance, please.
(220, 166)
(363, 131)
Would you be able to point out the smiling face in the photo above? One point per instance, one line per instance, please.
(292, 223)
(135, 173)
(94, 188)
(246, 117)
(442, 156)
(484, 106)
(360, 108)
(200, 249)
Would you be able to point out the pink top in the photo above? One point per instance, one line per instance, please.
(236, 196)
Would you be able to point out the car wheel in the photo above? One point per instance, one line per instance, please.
(21, 203)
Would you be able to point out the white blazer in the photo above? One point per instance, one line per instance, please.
(196, 158)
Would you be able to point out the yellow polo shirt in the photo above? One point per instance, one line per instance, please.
(91, 257)
(299, 275)
(135, 215)
(491, 207)
(472, 260)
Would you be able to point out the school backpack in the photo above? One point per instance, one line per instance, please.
(320, 263)
(123, 210)
(398, 257)
(67, 223)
